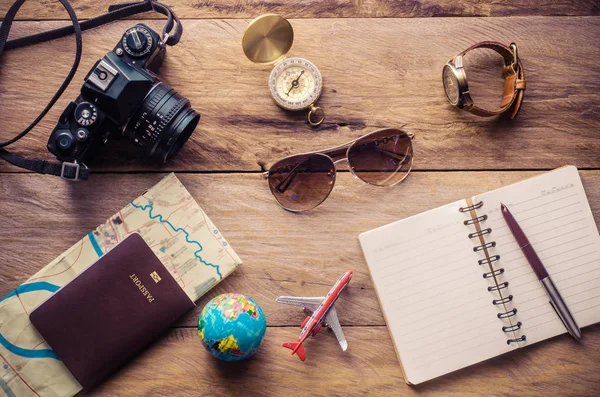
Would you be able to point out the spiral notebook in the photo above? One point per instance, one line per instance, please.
(455, 288)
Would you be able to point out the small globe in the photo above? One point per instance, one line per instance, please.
(232, 326)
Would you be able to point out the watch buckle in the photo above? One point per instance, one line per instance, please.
(513, 47)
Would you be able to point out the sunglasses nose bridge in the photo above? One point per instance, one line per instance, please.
(337, 162)
(343, 159)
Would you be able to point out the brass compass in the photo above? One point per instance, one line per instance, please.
(295, 83)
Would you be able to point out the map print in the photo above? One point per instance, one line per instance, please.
(231, 307)
(172, 224)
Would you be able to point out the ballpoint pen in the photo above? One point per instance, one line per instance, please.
(556, 301)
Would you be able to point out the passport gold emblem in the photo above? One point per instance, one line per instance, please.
(155, 277)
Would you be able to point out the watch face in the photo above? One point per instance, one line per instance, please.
(295, 84)
(451, 85)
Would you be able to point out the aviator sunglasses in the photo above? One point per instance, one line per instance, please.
(303, 181)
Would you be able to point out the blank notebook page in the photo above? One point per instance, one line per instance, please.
(553, 211)
(432, 293)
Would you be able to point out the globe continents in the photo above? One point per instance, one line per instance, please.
(232, 326)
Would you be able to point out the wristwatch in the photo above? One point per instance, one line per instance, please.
(457, 88)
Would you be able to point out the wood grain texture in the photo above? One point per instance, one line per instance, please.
(320, 9)
(280, 250)
(178, 365)
(377, 72)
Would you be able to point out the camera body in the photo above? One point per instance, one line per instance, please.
(122, 95)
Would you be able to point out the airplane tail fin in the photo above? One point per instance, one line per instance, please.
(296, 347)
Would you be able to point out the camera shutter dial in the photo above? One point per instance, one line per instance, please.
(137, 41)
(86, 114)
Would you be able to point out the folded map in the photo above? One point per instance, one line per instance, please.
(172, 224)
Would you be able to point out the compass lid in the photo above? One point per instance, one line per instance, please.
(267, 38)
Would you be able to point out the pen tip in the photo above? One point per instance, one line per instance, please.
(502, 207)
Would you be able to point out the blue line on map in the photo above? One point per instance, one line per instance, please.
(6, 389)
(28, 353)
(31, 287)
(179, 229)
(19, 351)
(95, 244)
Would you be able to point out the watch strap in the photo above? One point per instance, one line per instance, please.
(514, 81)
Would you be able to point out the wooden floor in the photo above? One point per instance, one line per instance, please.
(381, 62)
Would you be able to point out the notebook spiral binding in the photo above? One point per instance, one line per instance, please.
(489, 260)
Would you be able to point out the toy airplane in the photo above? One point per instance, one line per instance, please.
(323, 314)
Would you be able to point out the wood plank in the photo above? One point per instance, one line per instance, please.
(283, 253)
(178, 365)
(377, 72)
(31, 10)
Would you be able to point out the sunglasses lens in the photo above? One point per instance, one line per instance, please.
(382, 158)
(302, 182)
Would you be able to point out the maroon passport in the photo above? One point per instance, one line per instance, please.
(111, 311)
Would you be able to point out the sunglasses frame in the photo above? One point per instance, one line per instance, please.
(340, 153)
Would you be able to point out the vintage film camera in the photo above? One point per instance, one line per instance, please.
(121, 95)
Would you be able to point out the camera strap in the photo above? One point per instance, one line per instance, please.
(171, 35)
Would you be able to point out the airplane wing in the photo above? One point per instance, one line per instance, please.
(334, 323)
(310, 303)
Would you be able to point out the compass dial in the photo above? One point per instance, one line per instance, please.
(295, 84)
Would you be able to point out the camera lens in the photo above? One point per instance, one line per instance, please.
(163, 123)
